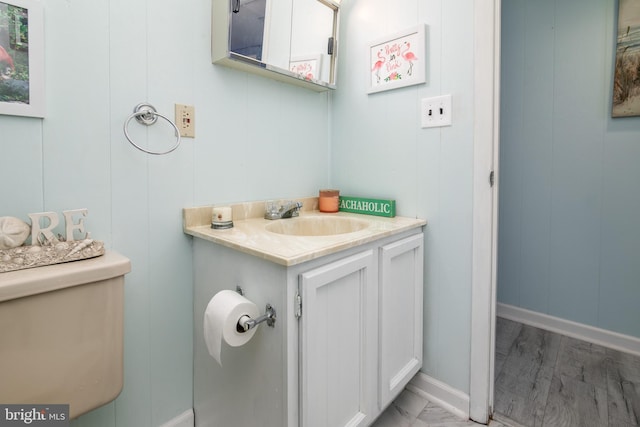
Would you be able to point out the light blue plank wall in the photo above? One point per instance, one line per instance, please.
(512, 113)
(379, 150)
(536, 150)
(256, 139)
(21, 141)
(569, 194)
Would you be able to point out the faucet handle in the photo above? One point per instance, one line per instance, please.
(272, 208)
(296, 208)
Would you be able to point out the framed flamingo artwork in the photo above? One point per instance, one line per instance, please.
(21, 58)
(398, 60)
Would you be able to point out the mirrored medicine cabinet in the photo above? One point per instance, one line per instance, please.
(288, 40)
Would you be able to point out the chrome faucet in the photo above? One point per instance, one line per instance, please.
(286, 210)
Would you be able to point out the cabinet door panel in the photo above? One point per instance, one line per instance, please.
(338, 336)
(400, 299)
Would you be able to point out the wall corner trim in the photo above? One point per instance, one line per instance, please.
(186, 419)
(603, 337)
(442, 394)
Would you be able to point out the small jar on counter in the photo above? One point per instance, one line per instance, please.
(222, 218)
(329, 200)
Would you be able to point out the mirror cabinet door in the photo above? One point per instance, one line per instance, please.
(246, 28)
(289, 40)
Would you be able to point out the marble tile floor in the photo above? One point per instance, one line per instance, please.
(544, 379)
(410, 409)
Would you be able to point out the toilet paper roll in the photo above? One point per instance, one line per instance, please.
(220, 320)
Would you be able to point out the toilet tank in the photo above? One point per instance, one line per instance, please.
(61, 333)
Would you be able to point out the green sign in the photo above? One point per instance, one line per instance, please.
(368, 206)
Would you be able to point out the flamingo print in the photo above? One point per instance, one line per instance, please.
(379, 63)
(409, 57)
(6, 64)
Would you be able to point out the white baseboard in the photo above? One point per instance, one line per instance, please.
(185, 419)
(442, 394)
(603, 337)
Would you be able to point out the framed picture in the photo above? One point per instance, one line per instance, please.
(398, 60)
(21, 58)
(626, 80)
(308, 67)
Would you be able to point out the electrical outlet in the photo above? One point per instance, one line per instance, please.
(436, 111)
(186, 120)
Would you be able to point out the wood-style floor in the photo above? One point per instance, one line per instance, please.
(542, 380)
(411, 409)
(548, 380)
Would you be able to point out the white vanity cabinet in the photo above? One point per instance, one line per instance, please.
(360, 333)
(338, 342)
(347, 339)
(400, 315)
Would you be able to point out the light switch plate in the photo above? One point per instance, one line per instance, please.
(435, 111)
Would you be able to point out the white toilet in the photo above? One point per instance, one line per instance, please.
(61, 333)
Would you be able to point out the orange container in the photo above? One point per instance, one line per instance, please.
(329, 200)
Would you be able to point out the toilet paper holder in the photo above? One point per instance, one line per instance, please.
(246, 323)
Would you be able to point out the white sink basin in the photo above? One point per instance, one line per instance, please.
(316, 226)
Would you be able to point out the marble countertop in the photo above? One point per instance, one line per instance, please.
(249, 234)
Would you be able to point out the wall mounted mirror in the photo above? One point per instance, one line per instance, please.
(288, 40)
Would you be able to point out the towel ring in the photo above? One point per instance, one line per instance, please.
(146, 114)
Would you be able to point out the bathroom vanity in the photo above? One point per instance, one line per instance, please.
(347, 290)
